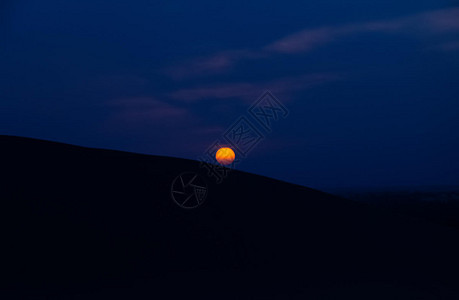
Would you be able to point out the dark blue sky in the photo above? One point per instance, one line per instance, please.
(372, 86)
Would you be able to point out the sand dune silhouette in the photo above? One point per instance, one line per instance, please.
(80, 222)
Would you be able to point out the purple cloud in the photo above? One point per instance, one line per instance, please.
(433, 22)
(428, 23)
(442, 20)
(249, 91)
(145, 110)
(212, 64)
(303, 41)
(449, 46)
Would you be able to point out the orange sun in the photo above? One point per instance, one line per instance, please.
(225, 156)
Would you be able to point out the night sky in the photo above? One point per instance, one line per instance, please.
(372, 86)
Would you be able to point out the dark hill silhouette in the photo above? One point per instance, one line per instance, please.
(436, 204)
(91, 224)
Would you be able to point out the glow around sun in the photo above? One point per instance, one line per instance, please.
(225, 156)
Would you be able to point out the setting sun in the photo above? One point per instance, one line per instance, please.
(225, 156)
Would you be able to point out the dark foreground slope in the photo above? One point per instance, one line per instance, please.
(83, 223)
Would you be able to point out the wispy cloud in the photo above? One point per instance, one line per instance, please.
(212, 64)
(145, 110)
(427, 23)
(432, 22)
(303, 41)
(449, 46)
(441, 20)
(165, 123)
(310, 39)
(249, 91)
